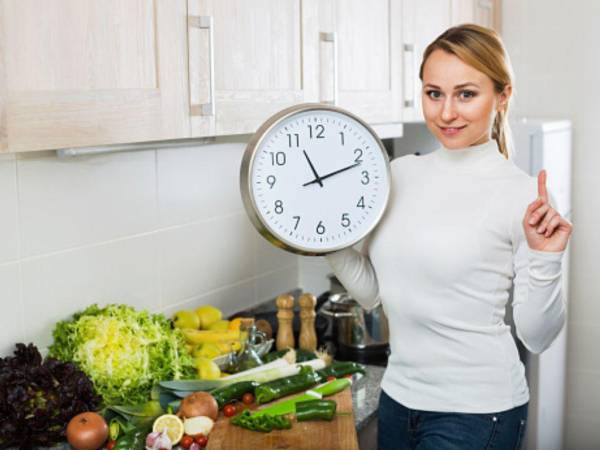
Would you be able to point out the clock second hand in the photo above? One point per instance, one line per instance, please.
(330, 174)
(317, 177)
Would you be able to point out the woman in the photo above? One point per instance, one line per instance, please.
(462, 227)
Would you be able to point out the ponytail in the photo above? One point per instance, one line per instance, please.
(501, 133)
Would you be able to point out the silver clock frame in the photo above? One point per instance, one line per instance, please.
(246, 169)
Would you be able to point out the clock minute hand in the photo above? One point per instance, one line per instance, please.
(330, 174)
(317, 177)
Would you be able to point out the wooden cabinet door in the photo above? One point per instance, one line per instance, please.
(92, 72)
(257, 67)
(360, 57)
(481, 12)
(423, 21)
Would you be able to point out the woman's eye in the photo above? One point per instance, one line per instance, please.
(465, 95)
(433, 94)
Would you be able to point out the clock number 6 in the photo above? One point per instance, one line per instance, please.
(320, 227)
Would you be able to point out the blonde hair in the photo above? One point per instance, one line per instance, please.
(482, 49)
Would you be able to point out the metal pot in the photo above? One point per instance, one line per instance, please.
(356, 327)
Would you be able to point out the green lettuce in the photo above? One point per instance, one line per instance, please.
(123, 351)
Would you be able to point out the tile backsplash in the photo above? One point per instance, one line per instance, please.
(158, 229)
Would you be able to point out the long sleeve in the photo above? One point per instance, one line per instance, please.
(355, 272)
(538, 305)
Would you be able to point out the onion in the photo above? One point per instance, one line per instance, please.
(199, 404)
(87, 431)
(198, 425)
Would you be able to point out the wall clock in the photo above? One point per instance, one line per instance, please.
(315, 179)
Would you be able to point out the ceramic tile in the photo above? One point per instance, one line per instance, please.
(9, 243)
(229, 299)
(271, 285)
(11, 319)
(71, 202)
(58, 285)
(198, 183)
(198, 258)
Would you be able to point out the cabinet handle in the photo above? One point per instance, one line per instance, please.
(206, 23)
(409, 87)
(332, 37)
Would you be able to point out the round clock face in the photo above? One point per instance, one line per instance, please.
(315, 179)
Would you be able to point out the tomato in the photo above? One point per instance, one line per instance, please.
(229, 410)
(248, 398)
(201, 440)
(186, 441)
(330, 378)
(111, 444)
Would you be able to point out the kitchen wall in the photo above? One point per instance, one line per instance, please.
(157, 229)
(553, 46)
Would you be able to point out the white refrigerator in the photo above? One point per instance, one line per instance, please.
(546, 144)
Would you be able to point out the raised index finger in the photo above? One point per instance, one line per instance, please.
(542, 192)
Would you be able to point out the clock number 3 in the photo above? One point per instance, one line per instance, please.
(365, 177)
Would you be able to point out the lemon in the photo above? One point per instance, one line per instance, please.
(208, 315)
(207, 369)
(172, 424)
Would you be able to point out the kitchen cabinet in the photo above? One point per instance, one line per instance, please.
(422, 22)
(359, 68)
(89, 72)
(482, 12)
(258, 63)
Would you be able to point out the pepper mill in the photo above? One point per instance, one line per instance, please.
(285, 315)
(308, 336)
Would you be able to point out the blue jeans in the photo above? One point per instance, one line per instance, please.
(401, 428)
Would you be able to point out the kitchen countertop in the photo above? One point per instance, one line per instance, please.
(365, 395)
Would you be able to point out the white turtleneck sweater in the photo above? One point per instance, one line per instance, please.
(442, 261)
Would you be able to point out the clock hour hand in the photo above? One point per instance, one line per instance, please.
(317, 177)
(330, 174)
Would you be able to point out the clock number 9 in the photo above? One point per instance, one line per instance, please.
(319, 129)
(277, 158)
(271, 181)
(320, 227)
(278, 206)
(345, 220)
(365, 179)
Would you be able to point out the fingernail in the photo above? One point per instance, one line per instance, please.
(531, 221)
(540, 229)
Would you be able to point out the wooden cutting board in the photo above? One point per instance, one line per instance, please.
(339, 434)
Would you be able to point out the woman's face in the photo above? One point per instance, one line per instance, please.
(459, 102)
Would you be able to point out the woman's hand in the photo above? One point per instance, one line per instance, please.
(545, 229)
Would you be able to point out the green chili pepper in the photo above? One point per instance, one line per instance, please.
(233, 392)
(315, 410)
(275, 389)
(304, 355)
(265, 423)
(288, 406)
(134, 440)
(274, 355)
(340, 369)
